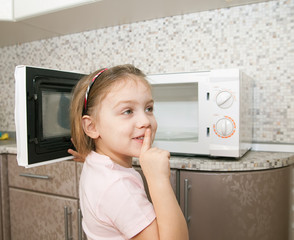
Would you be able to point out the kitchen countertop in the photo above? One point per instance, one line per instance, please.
(250, 162)
(7, 146)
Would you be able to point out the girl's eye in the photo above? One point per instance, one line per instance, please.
(149, 109)
(128, 112)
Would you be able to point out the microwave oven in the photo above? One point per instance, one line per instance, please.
(42, 100)
(204, 113)
(198, 113)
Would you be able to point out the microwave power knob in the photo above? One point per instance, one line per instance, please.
(225, 127)
(224, 99)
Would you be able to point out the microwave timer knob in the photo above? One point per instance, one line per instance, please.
(225, 127)
(224, 99)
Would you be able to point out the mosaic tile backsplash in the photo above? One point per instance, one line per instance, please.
(259, 38)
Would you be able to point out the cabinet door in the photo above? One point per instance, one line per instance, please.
(6, 10)
(30, 8)
(38, 216)
(82, 235)
(236, 206)
(173, 182)
(79, 172)
(4, 201)
(56, 178)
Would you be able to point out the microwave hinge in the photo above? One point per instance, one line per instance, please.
(34, 140)
(34, 97)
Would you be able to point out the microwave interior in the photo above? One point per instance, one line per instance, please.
(48, 124)
(176, 110)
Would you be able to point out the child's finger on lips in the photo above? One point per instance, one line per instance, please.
(147, 141)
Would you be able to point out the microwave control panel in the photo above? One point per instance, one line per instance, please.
(224, 99)
(225, 127)
(231, 115)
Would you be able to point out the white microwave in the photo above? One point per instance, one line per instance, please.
(200, 113)
(42, 100)
(203, 113)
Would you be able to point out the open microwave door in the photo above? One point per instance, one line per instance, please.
(42, 100)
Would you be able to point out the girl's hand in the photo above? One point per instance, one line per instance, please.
(77, 157)
(170, 223)
(154, 161)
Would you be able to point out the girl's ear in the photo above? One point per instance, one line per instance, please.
(90, 127)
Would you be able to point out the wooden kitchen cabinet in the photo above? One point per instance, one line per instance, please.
(1, 186)
(57, 178)
(4, 200)
(43, 201)
(30, 8)
(6, 10)
(37, 216)
(236, 205)
(173, 181)
(217, 205)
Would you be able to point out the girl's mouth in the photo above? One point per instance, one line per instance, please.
(139, 139)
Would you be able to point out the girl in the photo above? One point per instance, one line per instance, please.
(112, 121)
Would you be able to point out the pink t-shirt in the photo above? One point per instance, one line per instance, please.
(113, 200)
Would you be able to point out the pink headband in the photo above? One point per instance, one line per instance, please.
(89, 88)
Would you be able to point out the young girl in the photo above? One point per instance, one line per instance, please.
(112, 121)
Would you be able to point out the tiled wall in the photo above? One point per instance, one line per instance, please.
(258, 38)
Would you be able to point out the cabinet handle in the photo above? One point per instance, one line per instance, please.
(80, 229)
(67, 223)
(30, 175)
(186, 193)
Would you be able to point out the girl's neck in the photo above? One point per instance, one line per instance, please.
(124, 161)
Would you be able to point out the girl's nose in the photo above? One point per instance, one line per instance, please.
(143, 120)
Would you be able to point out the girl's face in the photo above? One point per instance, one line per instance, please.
(124, 115)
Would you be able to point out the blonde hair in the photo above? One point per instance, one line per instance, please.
(102, 85)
